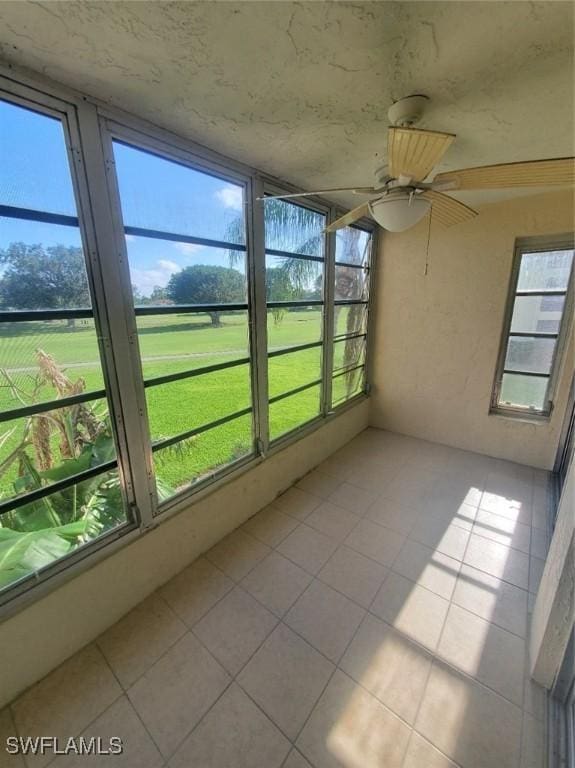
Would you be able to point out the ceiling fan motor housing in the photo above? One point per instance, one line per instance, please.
(407, 111)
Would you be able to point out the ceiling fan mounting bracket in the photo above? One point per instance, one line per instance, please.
(408, 111)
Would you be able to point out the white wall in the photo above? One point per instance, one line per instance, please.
(437, 335)
(50, 630)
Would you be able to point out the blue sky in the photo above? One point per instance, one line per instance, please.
(155, 194)
(35, 174)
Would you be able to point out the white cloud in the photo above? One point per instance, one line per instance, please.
(231, 197)
(147, 279)
(188, 248)
(169, 266)
(130, 238)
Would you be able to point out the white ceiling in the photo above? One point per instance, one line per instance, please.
(301, 90)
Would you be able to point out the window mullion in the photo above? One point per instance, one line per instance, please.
(122, 346)
(328, 310)
(258, 314)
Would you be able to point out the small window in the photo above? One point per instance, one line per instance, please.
(536, 324)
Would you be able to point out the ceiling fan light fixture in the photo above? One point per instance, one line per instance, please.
(399, 211)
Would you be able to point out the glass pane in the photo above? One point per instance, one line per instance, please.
(539, 314)
(525, 391)
(350, 283)
(293, 370)
(346, 386)
(41, 266)
(162, 195)
(37, 534)
(182, 405)
(349, 352)
(187, 462)
(531, 355)
(352, 245)
(34, 162)
(165, 273)
(293, 279)
(545, 271)
(43, 361)
(294, 326)
(40, 450)
(349, 320)
(184, 342)
(294, 411)
(294, 228)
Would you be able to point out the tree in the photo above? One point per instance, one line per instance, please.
(205, 284)
(35, 277)
(279, 287)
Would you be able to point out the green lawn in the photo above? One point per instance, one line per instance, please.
(170, 344)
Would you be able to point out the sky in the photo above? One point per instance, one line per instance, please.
(154, 193)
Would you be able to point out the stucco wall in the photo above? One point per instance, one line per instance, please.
(41, 636)
(437, 335)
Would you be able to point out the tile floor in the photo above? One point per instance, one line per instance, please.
(375, 615)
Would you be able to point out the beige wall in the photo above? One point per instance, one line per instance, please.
(43, 635)
(437, 335)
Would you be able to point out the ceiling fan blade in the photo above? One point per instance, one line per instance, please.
(356, 190)
(349, 218)
(531, 173)
(447, 210)
(413, 153)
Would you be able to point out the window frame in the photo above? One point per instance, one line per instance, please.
(90, 128)
(525, 245)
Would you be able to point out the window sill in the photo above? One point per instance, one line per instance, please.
(526, 418)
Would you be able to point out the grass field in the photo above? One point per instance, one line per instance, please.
(170, 344)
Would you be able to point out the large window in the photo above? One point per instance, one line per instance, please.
(186, 245)
(295, 257)
(351, 292)
(59, 483)
(161, 326)
(536, 323)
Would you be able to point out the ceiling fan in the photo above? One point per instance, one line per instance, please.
(401, 196)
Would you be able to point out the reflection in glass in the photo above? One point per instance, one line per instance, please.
(293, 228)
(350, 320)
(539, 314)
(347, 386)
(351, 283)
(523, 391)
(352, 245)
(187, 462)
(533, 355)
(545, 271)
(294, 279)
(348, 353)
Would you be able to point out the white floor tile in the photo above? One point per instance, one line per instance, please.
(354, 575)
(277, 583)
(375, 541)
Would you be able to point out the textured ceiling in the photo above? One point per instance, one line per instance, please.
(301, 90)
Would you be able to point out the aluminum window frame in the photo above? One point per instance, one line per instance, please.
(525, 245)
(271, 187)
(112, 131)
(91, 169)
(368, 226)
(67, 114)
